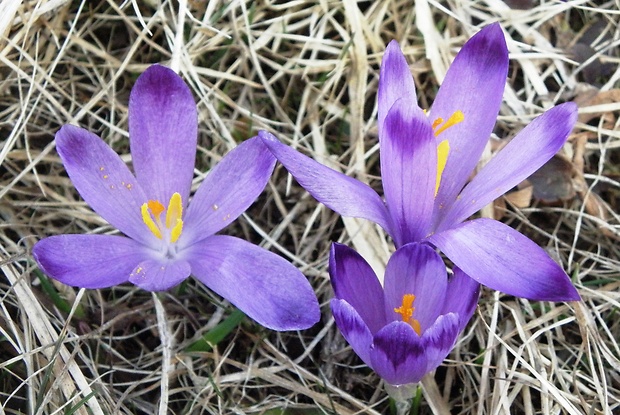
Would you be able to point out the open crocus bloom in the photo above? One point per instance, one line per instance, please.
(427, 158)
(167, 240)
(406, 328)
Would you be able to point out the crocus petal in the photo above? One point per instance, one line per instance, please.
(416, 269)
(353, 328)
(263, 285)
(408, 170)
(157, 275)
(103, 181)
(340, 193)
(355, 282)
(88, 261)
(501, 258)
(474, 85)
(229, 189)
(529, 150)
(163, 131)
(400, 356)
(395, 82)
(462, 296)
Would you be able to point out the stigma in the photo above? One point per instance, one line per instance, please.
(168, 228)
(406, 312)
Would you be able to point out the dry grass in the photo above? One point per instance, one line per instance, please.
(307, 71)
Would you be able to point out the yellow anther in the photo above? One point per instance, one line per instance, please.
(173, 217)
(443, 149)
(406, 312)
(151, 215)
(437, 123)
(148, 220)
(454, 119)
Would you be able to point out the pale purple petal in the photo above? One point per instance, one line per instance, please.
(163, 131)
(158, 275)
(501, 258)
(104, 181)
(340, 193)
(529, 150)
(355, 282)
(395, 82)
(474, 85)
(408, 170)
(353, 328)
(229, 189)
(263, 285)
(400, 356)
(462, 296)
(416, 269)
(88, 261)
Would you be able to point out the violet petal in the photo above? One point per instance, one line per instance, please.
(158, 275)
(342, 194)
(260, 283)
(88, 261)
(529, 150)
(163, 132)
(104, 181)
(395, 82)
(228, 190)
(501, 258)
(462, 296)
(416, 269)
(353, 328)
(355, 282)
(474, 85)
(408, 170)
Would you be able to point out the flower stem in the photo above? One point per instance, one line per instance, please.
(166, 346)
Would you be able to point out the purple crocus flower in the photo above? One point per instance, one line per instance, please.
(406, 328)
(427, 159)
(165, 242)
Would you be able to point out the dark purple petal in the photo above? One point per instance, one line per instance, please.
(416, 269)
(229, 189)
(355, 282)
(340, 193)
(501, 258)
(408, 170)
(400, 356)
(88, 261)
(461, 297)
(353, 328)
(163, 131)
(474, 85)
(158, 275)
(104, 181)
(395, 82)
(263, 285)
(529, 150)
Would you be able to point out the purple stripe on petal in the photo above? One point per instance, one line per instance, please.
(501, 258)
(408, 170)
(353, 328)
(416, 269)
(355, 282)
(439, 340)
(395, 82)
(157, 275)
(263, 285)
(462, 297)
(88, 261)
(229, 189)
(163, 132)
(398, 355)
(104, 181)
(340, 193)
(474, 85)
(529, 150)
